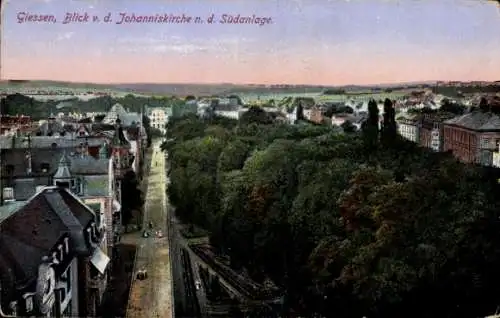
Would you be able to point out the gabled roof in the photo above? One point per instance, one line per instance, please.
(477, 121)
(79, 165)
(37, 227)
(44, 142)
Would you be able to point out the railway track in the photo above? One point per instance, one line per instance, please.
(192, 302)
(246, 288)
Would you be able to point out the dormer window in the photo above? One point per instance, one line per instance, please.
(8, 193)
(45, 167)
(89, 233)
(60, 250)
(66, 245)
(62, 184)
(55, 257)
(29, 303)
(93, 231)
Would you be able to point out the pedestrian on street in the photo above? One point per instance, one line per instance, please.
(150, 225)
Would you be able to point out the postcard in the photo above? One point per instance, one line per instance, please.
(249, 158)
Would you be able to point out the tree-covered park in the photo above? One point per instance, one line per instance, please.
(349, 224)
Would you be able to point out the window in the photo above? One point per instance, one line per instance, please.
(8, 193)
(9, 169)
(67, 276)
(66, 245)
(60, 249)
(62, 294)
(94, 274)
(45, 167)
(96, 207)
(53, 310)
(68, 311)
(29, 303)
(62, 184)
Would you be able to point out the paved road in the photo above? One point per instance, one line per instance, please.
(152, 297)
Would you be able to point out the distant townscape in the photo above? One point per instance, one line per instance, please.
(232, 200)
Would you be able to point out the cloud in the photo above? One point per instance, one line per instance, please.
(65, 36)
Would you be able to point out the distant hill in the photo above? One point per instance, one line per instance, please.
(181, 89)
(34, 84)
(178, 89)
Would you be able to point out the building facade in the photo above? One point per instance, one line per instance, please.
(51, 263)
(158, 117)
(496, 157)
(472, 137)
(431, 130)
(408, 128)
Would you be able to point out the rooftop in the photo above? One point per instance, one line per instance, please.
(78, 164)
(477, 120)
(10, 142)
(9, 208)
(36, 228)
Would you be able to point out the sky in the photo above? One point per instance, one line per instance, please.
(327, 42)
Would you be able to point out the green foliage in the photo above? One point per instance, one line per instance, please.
(238, 99)
(299, 115)
(348, 127)
(454, 108)
(389, 129)
(21, 104)
(334, 91)
(370, 127)
(132, 197)
(255, 115)
(349, 228)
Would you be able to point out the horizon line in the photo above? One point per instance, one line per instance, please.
(249, 84)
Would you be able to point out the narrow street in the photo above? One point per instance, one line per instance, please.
(152, 297)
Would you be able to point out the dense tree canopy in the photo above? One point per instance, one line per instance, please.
(347, 226)
(20, 104)
(132, 197)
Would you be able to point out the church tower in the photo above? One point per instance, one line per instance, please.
(120, 152)
(63, 177)
(103, 151)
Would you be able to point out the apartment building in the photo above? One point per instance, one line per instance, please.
(472, 137)
(431, 130)
(51, 263)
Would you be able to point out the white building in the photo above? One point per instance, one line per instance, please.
(408, 129)
(159, 118)
(496, 158)
(127, 118)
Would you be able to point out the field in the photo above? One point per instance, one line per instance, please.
(85, 91)
(318, 97)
